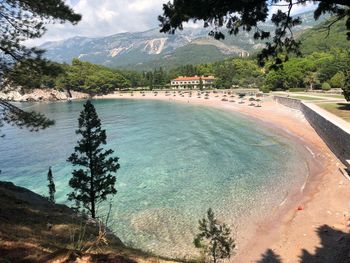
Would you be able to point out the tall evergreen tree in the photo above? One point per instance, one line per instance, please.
(51, 186)
(214, 238)
(95, 180)
(200, 83)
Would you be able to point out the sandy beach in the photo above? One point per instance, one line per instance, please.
(314, 222)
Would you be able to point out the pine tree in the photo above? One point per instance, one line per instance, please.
(95, 180)
(51, 186)
(214, 238)
(200, 83)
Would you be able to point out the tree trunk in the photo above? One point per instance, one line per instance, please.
(69, 93)
(93, 215)
(92, 189)
(214, 252)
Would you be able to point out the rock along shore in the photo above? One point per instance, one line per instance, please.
(41, 95)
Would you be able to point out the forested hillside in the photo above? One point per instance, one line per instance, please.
(319, 38)
(189, 54)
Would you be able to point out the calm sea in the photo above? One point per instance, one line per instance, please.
(177, 160)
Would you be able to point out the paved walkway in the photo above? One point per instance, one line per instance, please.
(312, 95)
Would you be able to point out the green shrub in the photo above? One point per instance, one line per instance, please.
(296, 89)
(317, 86)
(265, 89)
(326, 86)
(338, 80)
(214, 239)
(346, 88)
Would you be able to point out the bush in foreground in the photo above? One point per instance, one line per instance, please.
(214, 238)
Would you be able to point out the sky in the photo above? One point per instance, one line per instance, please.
(107, 17)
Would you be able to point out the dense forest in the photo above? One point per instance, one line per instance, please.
(96, 79)
(319, 70)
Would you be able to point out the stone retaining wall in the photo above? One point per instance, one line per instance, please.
(288, 102)
(336, 137)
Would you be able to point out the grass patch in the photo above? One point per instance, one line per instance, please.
(341, 110)
(336, 96)
(303, 95)
(296, 90)
(305, 98)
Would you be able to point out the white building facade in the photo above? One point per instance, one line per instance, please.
(195, 82)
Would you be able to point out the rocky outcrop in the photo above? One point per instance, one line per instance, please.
(41, 95)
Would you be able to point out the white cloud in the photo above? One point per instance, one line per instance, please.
(297, 9)
(192, 24)
(144, 5)
(106, 17)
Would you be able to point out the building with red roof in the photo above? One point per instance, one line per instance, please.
(183, 82)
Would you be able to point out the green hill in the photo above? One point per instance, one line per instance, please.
(318, 39)
(189, 54)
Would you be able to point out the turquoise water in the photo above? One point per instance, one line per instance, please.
(177, 160)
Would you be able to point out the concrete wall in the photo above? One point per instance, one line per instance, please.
(336, 137)
(288, 102)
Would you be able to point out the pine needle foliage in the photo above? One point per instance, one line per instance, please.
(51, 186)
(95, 179)
(214, 238)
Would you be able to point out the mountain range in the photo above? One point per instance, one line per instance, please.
(150, 49)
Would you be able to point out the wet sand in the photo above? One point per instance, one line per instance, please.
(292, 227)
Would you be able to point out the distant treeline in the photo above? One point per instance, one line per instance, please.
(95, 79)
(318, 70)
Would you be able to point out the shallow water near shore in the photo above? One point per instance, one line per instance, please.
(177, 160)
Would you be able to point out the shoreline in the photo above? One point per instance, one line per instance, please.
(282, 232)
(41, 95)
